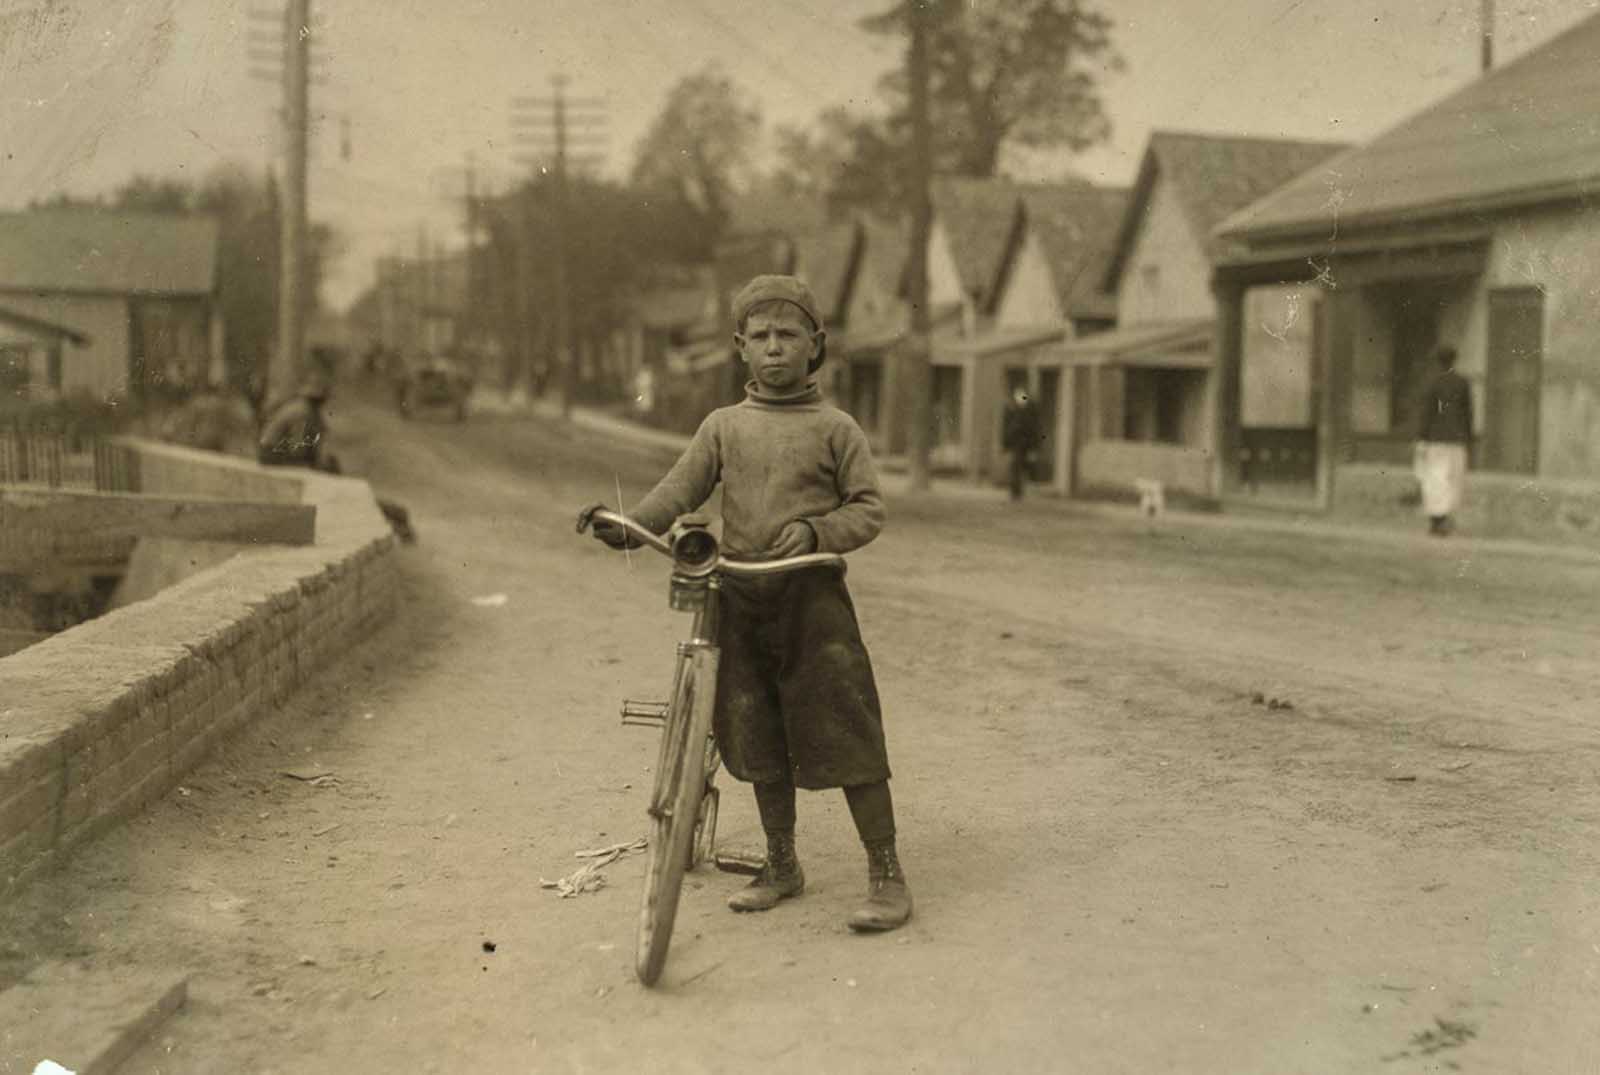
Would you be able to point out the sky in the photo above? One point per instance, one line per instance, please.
(94, 91)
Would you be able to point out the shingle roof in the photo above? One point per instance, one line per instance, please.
(1213, 176)
(1077, 226)
(1521, 134)
(107, 251)
(823, 260)
(888, 244)
(977, 215)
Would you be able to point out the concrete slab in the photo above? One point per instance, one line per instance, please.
(45, 527)
(89, 1022)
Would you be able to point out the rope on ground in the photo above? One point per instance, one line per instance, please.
(588, 878)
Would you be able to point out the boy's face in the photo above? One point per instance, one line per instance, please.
(778, 345)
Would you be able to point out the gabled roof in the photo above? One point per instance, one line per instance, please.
(825, 259)
(105, 250)
(1212, 176)
(1525, 133)
(887, 246)
(1077, 225)
(742, 255)
(978, 216)
(40, 327)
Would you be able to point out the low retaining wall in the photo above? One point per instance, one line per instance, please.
(1493, 505)
(100, 720)
(1112, 466)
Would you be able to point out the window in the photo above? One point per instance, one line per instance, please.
(15, 371)
(1276, 364)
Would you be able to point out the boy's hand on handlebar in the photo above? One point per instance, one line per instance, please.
(796, 539)
(609, 533)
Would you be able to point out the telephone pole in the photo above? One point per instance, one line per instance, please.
(1486, 35)
(552, 141)
(915, 357)
(467, 327)
(292, 266)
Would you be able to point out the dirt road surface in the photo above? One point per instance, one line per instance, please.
(1173, 797)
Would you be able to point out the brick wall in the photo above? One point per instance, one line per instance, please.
(100, 720)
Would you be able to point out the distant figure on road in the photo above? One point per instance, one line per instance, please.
(1444, 434)
(797, 704)
(293, 437)
(1020, 434)
(293, 433)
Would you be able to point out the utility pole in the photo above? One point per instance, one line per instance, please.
(466, 326)
(419, 290)
(292, 266)
(565, 360)
(553, 141)
(915, 358)
(1486, 35)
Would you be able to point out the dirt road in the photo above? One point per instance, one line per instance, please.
(1178, 797)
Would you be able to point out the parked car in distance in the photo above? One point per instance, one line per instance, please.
(434, 383)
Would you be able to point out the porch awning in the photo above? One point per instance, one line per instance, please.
(868, 340)
(1000, 343)
(1158, 345)
(698, 357)
(38, 326)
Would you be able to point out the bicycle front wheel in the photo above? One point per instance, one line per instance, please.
(682, 780)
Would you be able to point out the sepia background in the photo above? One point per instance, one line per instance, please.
(1229, 733)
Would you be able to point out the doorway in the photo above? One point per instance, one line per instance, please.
(1515, 378)
(1049, 421)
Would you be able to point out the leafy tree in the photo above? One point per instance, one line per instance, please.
(1020, 71)
(154, 195)
(847, 161)
(700, 145)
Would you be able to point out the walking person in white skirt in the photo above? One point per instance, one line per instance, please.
(1444, 435)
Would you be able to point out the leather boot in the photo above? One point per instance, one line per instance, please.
(888, 904)
(779, 879)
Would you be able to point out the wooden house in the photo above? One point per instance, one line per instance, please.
(1474, 224)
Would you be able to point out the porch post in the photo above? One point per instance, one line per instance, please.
(1066, 429)
(1340, 319)
(1224, 382)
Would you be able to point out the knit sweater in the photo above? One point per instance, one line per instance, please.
(780, 459)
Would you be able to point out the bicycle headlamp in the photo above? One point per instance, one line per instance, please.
(694, 549)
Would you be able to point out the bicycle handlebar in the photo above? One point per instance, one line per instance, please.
(743, 568)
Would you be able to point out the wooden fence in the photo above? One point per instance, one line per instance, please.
(66, 461)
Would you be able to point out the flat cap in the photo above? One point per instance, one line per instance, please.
(773, 286)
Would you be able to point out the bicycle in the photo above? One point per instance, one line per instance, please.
(684, 799)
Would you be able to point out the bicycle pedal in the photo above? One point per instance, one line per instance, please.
(645, 714)
(746, 862)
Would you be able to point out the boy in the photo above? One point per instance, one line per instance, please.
(796, 700)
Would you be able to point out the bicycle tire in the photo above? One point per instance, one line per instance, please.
(672, 836)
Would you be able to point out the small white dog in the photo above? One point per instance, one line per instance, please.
(1152, 496)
